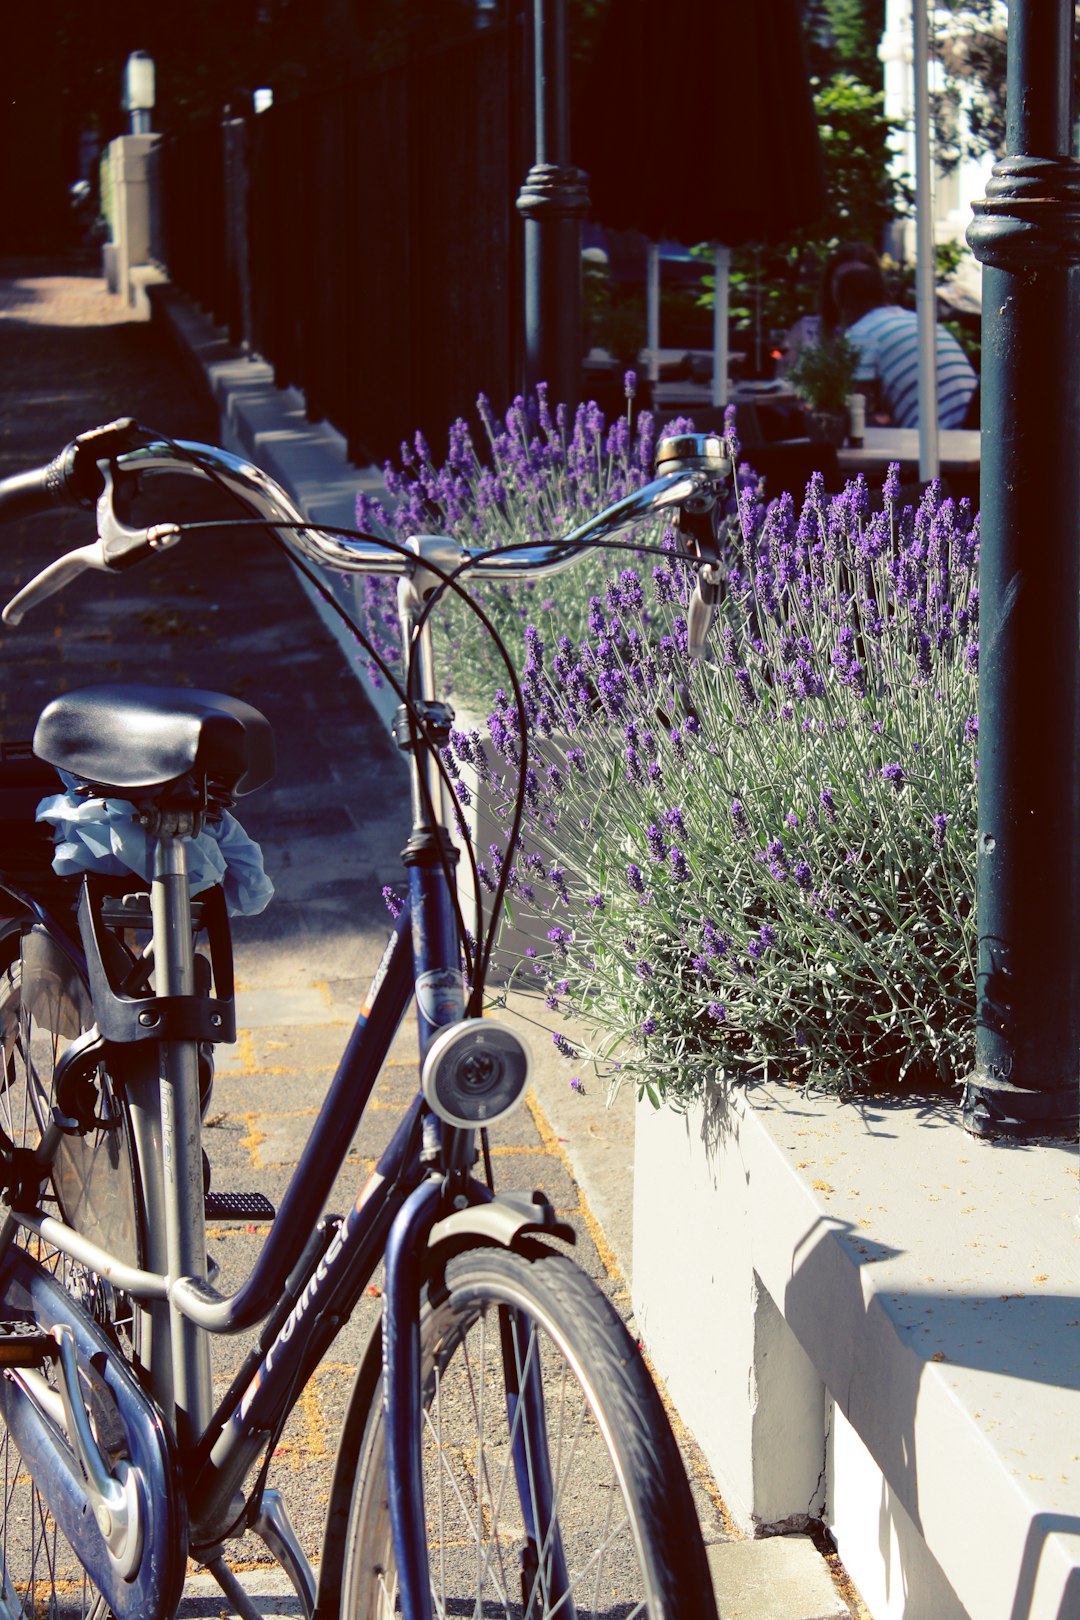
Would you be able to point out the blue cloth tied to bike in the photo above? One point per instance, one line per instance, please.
(103, 836)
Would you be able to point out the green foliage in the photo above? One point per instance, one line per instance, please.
(863, 197)
(855, 27)
(823, 373)
(971, 39)
(615, 322)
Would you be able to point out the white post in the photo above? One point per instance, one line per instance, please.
(925, 289)
(652, 309)
(722, 270)
(896, 55)
(130, 165)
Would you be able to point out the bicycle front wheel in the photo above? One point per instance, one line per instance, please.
(43, 1006)
(571, 1502)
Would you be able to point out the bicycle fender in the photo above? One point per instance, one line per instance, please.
(503, 1220)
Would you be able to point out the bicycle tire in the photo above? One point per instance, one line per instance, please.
(44, 1005)
(626, 1518)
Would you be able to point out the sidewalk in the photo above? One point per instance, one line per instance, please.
(331, 826)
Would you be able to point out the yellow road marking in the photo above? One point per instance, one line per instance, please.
(253, 1140)
(553, 1146)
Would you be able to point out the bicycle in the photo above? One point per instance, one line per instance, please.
(502, 1399)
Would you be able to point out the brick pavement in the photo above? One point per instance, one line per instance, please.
(228, 613)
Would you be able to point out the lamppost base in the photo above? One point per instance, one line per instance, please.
(999, 1111)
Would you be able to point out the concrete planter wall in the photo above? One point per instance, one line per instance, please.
(866, 1316)
(525, 925)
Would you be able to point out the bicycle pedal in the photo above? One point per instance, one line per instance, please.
(24, 1344)
(238, 1207)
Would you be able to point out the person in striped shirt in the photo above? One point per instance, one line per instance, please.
(887, 337)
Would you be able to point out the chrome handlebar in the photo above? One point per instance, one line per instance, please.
(690, 470)
(269, 501)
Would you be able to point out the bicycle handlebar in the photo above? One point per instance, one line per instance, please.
(71, 478)
(266, 499)
(690, 468)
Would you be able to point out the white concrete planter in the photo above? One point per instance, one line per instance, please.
(865, 1315)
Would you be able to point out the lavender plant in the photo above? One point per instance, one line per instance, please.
(539, 475)
(764, 860)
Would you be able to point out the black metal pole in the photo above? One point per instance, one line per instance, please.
(552, 202)
(1027, 235)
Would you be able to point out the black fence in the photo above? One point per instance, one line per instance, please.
(365, 241)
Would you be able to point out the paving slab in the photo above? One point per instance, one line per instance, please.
(781, 1575)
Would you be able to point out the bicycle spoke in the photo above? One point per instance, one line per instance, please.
(42, 1578)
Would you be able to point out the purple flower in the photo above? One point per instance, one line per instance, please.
(825, 799)
(557, 878)
(894, 775)
(576, 1085)
(777, 859)
(635, 879)
(648, 1027)
(561, 1044)
(630, 591)
(680, 872)
(394, 902)
(717, 1011)
(657, 846)
(941, 821)
(485, 877)
(645, 970)
(746, 688)
(739, 824)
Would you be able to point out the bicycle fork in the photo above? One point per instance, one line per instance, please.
(545, 1583)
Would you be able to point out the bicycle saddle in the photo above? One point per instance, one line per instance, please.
(141, 740)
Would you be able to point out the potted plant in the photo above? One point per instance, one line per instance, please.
(766, 857)
(822, 374)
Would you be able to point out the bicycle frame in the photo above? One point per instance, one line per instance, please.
(310, 1273)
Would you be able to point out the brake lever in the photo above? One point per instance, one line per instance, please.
(701, 526)
(118, 546)
(121, 544)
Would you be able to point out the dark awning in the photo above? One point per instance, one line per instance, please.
(698, 123)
